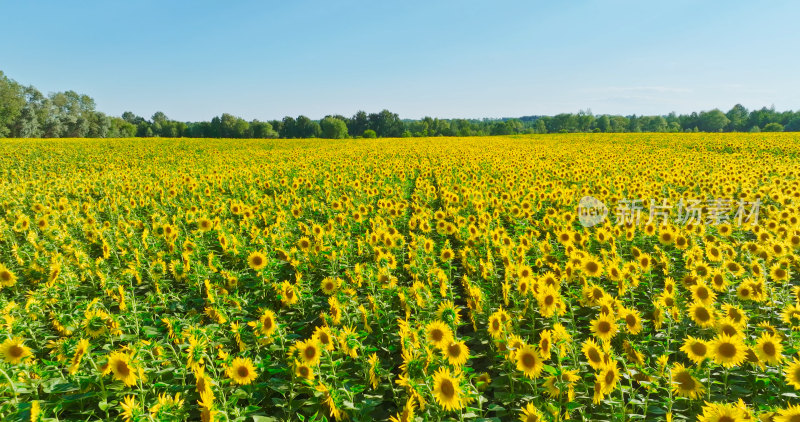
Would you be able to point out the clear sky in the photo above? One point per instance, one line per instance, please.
(258, 59)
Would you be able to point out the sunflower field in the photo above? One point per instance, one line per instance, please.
(421, 279)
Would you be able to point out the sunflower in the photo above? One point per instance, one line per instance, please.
(608, 377)
(701, 293)
(529, 361)
(702, 315)
(242, 371)
(80, 351)
(722, 412)
(604, 327)
(438, 333)
(7, 278)
(329, 285)
(268, 324)
(791, 316)
(593, 354)
(778, 273)
(633, 321)
(447, 389)
(790, 414)
(546, 343)
(792, 374)
(130, 409)
(309, 351)
(325, 338)
(495, 326)
(119, 365)
(301, 370)
(696, 349)
(530, 413)
(592, 267)
(555, 385)
(204, 224)
(684, 384)
(257, 261)
(728, 351)
(13, 350)
(549, 301)
(456, 353)
(483, 381)
(768, 348)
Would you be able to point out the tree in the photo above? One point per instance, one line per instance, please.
(12, 102)
(712, 121)
(738, 118)
(793, 125)
(386, 124)
(773, 127)
(333, 128)
(307, 128)
(358, 124)
(369, 133)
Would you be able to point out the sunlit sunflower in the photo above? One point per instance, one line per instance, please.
(529, 361)
(309, 351)
(456, 353)
(119, 365)
(728, 351)
(546, 343)
(593, 353)
(301, 370)
(702, 315)
(556, 385)
(7, 277)
(14, 351)
(722, 412)
(447, 389)
(257, 261)
(696, 349)
(608, 377)
(684, 384)
(268, 324)
(604, 327)
(790, 414)
(530, 413)
(438, 333)
(242, 371)
(329, 285)
(633, 321)
(325, 338)
(792, 373)
(768, 348)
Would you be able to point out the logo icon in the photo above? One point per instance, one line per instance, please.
(591, 211)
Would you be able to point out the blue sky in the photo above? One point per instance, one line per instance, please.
(256, 59)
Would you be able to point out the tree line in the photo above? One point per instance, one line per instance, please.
(27, 113)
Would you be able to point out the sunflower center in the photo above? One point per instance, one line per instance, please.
(257, 260)
(609, 378)
(303, 370)
(549, 300)
(702, 314)
(594, 355)
(242, 371)
(604, 327)
(768, 348)
(698, 348)
(528, 360)
(630, 320)
(685, 380)
(454, 350)
(437, 334)
(310, 352)
(726, 418)
(5, 276)
(591, 267)
(15, 351)
(447, 388)
(727, 350)
(268, 323)
(122, 368)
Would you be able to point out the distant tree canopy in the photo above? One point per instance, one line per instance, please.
(27, 113)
